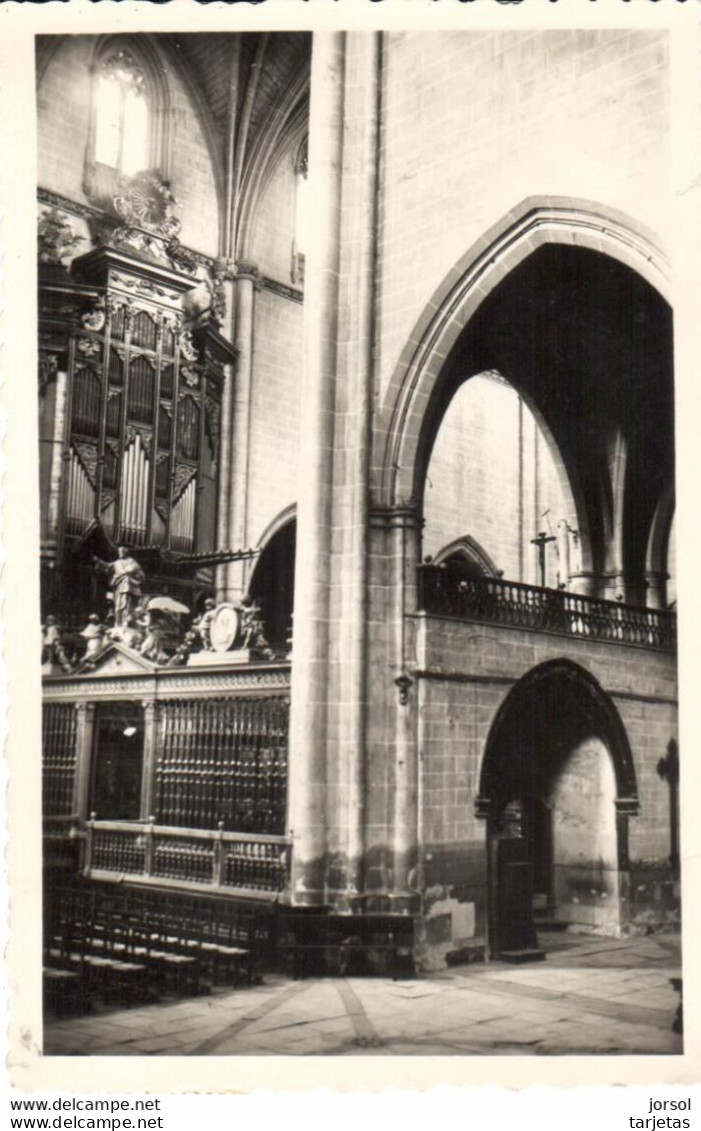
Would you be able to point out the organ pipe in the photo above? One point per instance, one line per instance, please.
(183, 519)
(53, 512)
(122, 396)
(81, 496)
(135, 492)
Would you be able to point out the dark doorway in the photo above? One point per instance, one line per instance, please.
(556, 760)
(273, 585)
(539, 820)
(118, 754)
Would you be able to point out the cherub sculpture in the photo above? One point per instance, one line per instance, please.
(53, 652)
(94, 634)
(252, 630)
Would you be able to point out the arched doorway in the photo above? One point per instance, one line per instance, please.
(273, 583)
(557, 784)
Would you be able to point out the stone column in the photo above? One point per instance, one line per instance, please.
(223, 296)
(354, 385)
(404, 528)
(656, 589)
(83, 765)
(613, 582)
(148, 769)
(585, 583)
(245, 280)
(225, 453)
(310, 671)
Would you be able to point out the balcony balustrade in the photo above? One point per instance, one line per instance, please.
(196, 859)
(496, 601)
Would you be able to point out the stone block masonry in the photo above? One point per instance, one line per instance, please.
(476, 123)
(466, 671)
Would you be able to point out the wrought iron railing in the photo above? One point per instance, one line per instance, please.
(61, 829)
(515, 605)
(59, 756)
(223, 759)
(193, 858)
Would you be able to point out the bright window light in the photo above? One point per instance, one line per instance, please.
(122, 115)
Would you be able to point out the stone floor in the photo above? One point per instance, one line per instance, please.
(591, 996)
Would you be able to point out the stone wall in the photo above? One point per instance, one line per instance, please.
(274, 227)
(491, 476)
(468, 671)
(475, 123)
(275, 409)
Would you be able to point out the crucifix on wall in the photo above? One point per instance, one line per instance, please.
(541, 541)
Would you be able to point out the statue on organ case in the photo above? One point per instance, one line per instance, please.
(94, 635)
(203, 624)
(53, 653)
(126, 580)
(252, 628)
(129, 633)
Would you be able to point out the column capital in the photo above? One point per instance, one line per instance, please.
(84, 710)
(483, 807)
(655, 576)
(406, 517)
(224, 268)
(150, 707)
(246, 269)
(628, 806)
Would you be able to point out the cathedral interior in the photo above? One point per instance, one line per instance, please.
(358, 577)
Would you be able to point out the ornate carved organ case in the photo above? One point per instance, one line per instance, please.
(131, 410)
(132, 425)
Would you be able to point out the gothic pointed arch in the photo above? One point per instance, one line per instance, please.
(507, 305)
(468, 549)
(286, 128)
(273, 578)
(570, 690)
(530, 225)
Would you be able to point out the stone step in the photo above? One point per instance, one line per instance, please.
(517, 957)
(544, 923)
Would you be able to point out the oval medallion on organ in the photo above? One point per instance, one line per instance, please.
(224, 628)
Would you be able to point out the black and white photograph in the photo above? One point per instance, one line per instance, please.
(356, 541)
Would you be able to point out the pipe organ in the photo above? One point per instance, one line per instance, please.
(141, 416)
(154, 772)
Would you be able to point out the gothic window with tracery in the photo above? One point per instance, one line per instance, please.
(122, 113)
(128, 119)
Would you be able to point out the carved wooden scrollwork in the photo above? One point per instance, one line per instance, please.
(190, 376)
(183, 475)
(88, 347)
(87, 454)
(187, 346)
(56, 238)
(95, 317)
